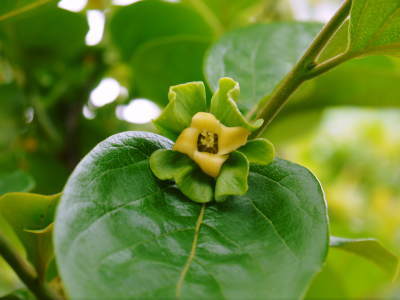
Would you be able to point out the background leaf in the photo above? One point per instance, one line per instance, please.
(250, 56)
(29, 43)
(17, 181)
(147, 21)
(146, 238)
(26, 212)
(164, 44)
(11, 8)
(370, 249)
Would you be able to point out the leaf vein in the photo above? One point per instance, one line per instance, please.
(192, 254)
(274, 228)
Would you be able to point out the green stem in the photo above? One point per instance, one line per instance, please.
(328, 65)
(25, 272)
(305, 69)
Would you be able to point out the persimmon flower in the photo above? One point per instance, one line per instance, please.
(208, 142)
(211, 156)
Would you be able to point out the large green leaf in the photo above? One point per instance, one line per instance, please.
(375, 27)
(121, 233)
(258, 57)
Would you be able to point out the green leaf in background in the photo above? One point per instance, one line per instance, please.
(147, 21)
(370, 249)
(185, 100)
(354, 277)
(343, 86)
(164, 44)
(17, 181)
(12, 8)
(375, 27)
(45, 34)
(346, 85)
(121, 233)
(222, 14)
(30, 216)
(12, 104)
(165, 62)
(258, 57)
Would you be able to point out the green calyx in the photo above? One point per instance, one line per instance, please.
(185, 101)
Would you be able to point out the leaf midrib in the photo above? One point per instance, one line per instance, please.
(192, 253)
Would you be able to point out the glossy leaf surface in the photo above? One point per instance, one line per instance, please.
(122, 233)
(249, 56)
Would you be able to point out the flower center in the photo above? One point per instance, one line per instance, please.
(207, 142)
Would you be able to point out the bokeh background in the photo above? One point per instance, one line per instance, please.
(74, 72)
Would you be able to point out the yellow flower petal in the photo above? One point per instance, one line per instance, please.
(231, 138)
(206, 121)
(213, 137)
(187, 142)
(210, 163)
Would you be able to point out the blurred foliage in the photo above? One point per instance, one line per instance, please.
(47, 73)
(354, 152)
